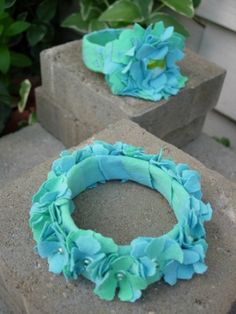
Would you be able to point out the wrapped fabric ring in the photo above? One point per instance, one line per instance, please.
(137, 62)
(130, 268)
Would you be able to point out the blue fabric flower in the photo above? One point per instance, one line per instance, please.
(86, 251)
(52, 246)
(142, 63)
(190, 179)
(193, 259)
(120, 275)
(198, 214)
(47, 202)
(153, 254)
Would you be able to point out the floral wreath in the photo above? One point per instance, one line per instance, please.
(72, 251)
(136, 61)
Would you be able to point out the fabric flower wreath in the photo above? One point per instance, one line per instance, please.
(127, 269)
(137, 62)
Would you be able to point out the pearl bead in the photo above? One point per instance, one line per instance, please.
(120, 276)
(60, 250)
(86, 262)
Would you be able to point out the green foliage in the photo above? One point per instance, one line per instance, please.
(95, 14)
(223, 140)
(122, 11)
(24, 91)
(184, 7)
(26, 27)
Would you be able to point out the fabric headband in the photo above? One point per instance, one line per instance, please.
(129, 268)
(136, 61)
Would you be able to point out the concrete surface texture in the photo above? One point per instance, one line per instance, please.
(213, 155)
(30, 288)
(71, 86)
(25, 149)
(66, 127)
(220, 126)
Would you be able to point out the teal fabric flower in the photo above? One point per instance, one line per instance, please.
(53, 246)
(86, 250)
(193, 259)
(153, 254)
(47, 202)
(142, 63)
(190, 179)
(120, 276)
(199, 213)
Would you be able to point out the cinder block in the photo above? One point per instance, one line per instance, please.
(110, 209)
(85, 94)
(57, 120)
(71, 131)
(21, 151)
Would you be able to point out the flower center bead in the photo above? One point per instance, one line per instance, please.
(120, 276)
(153, 64)
(86, 262)
(60, 250)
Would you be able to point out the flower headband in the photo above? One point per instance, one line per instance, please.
(129, 269)
(137, 62)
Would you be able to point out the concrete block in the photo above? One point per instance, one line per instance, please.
(57, 120)
(22, 150)
(214, 155)
(30, 288)
(85, 94)
(64, 126)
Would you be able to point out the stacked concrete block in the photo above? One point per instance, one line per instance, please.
(27, 285)
(22, 150)
(74, 102)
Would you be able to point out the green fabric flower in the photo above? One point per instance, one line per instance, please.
(120, 276)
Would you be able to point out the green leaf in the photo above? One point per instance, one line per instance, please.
(20, 60)
(32, 118)
(86, 6)
(121, 11)
(223, 140)
(1, 29)
(145, 7)
(75, 22)
(16, 28)
(95, 25)
(184, 7)
(9, 3)
(47, 10)
(5, 99)
(36, 33)
(5, 105)
(169, 21)
(196, 3)
(4, 59)
(2, 5)
(22, 16)
(24, 94)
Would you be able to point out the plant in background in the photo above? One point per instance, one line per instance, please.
(223, 140)
(26, 28)
(11, 31)
(98, 14)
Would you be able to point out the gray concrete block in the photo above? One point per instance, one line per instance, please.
(58, 121)
(22, 150)
(111, 210)
(214, 155)
(64, 126)
(85, 94)
(186, 133)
